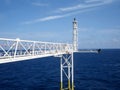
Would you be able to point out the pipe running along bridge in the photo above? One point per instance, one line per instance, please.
(12, 50)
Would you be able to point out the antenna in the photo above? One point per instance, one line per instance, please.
(75, 35)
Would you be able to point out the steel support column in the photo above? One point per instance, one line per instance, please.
(66, 72)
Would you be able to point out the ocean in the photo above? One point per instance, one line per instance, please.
(92, 71)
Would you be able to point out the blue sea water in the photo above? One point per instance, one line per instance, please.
(92, 72)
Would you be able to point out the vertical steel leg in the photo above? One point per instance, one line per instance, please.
(16, 47)
(61, 74)
(72, 58)
(66, 68)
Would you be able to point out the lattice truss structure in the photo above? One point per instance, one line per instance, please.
(15, 48)
(67, 73)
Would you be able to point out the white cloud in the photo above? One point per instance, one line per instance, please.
(44, 19)
(53, 17)
(72, 10)
(91, 4)
(39, 4)
(91, 1)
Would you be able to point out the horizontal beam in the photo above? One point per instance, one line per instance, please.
(17, 39)
(8, 60)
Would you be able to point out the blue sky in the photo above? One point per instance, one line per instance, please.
(51, 20)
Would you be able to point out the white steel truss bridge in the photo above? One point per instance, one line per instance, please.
(12, 50)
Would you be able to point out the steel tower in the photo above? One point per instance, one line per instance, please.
(67, 62)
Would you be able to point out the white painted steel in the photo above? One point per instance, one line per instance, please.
(16, 49)
(75, 35)
(72, 58)
(67, 70)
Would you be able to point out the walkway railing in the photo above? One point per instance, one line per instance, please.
(16, 48)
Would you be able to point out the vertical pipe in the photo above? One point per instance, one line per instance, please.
(69, 88)
(45, 48)
(72, 71)
(33, 51)
(61, 74)
(17, 40)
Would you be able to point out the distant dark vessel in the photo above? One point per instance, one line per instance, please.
(99, 50)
